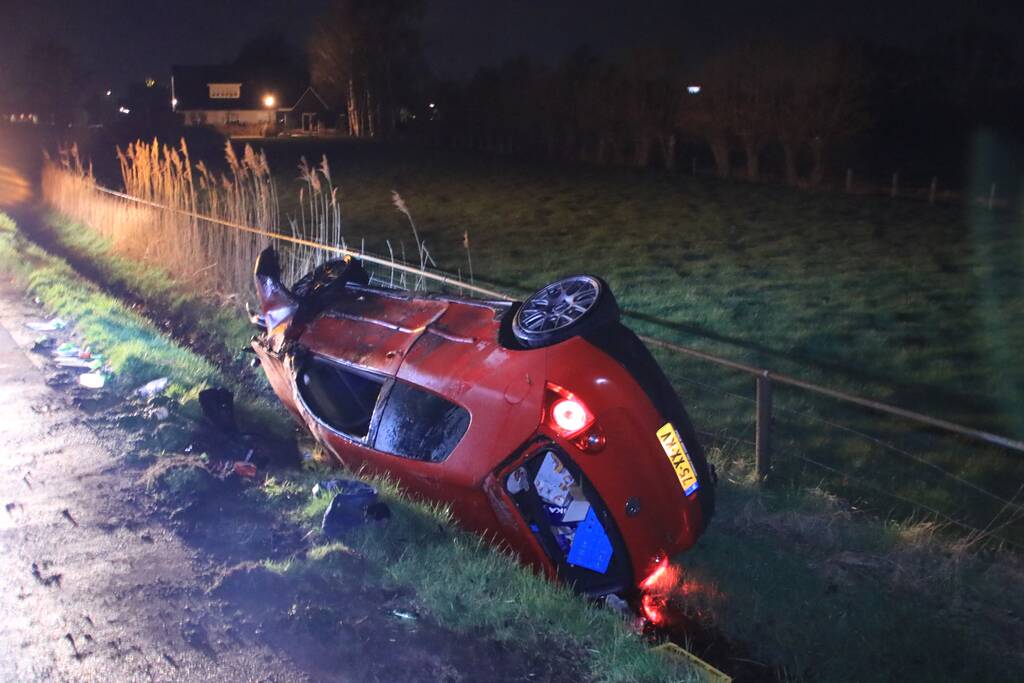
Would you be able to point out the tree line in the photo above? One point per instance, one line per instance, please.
(778, 105)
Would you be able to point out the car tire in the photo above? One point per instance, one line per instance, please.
(564, 309)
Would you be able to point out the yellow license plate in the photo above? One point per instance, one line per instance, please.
(680, 459)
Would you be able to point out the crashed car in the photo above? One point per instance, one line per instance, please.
(545, 424)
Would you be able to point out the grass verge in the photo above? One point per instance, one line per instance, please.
(809, 584)
(460, 581)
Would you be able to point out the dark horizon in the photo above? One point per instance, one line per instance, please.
(121, 41)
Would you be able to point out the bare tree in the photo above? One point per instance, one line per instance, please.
(366, 53)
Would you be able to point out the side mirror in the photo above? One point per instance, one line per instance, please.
(277, 304)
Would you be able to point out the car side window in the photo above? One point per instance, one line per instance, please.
(342, 397)
(419, 425)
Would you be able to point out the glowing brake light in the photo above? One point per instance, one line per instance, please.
(567, 414)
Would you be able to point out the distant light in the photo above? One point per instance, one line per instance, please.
(268, 100)
(174, 102)
(150, 82)
(431, 105)
(108, 93)
(124, 110)
(693, 89)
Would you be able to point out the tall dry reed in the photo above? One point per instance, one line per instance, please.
(209, 257)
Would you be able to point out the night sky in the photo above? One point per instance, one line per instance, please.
(118, 41)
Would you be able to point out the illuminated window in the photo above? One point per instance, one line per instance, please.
(225, 91)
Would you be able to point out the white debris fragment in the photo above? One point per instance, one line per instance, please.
(151, 389)
(48, 326)
(92, 380)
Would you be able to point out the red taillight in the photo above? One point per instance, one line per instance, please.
(567, 414)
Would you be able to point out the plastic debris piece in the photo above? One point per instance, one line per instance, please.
(576, 512)
(348, 507)
(563, 536)
(43, 343)
(617, 604)
(404, 615)
(245, 469)
(591, 548)
(517, 482)
(67, 350)
(92, 380)
(48, 326)
(74, 363)
(553, 481)
(328, 486)
(152, 388)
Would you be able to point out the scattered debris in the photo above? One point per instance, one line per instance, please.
(617, 604)
(245, 469)
(67, 350)
(404, 615)
(49, 326)
(74, 362)
(153, 388)
(329, 486)
(43, 343)
(348, 507)
(92, 380)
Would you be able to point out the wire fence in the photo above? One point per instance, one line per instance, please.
(878, 456)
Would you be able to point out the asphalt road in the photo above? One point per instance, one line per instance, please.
(90, 587)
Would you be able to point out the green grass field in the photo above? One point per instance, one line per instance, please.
(908, 303)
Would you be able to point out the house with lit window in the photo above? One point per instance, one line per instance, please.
(239, 103)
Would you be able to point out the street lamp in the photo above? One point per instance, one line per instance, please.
(268, 100)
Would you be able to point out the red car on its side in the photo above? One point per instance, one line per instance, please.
(546, 424)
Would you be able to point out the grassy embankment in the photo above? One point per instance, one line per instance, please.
(458, 580)
(913, 304)
(797, 575)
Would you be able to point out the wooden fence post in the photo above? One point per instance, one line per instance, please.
(931, 190)
(895, 185)
(762, 444)
(849, 180)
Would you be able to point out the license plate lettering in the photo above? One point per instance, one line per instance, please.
(680, 459)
